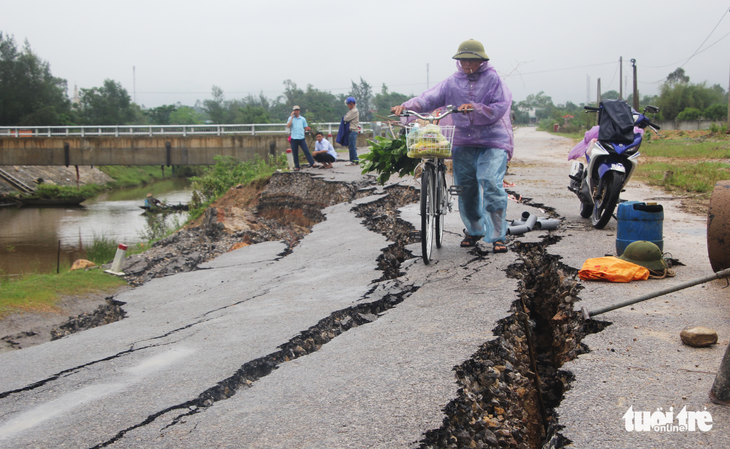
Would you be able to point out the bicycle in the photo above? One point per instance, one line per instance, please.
(432, 143)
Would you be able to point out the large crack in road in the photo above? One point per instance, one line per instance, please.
(509, 388)
(380, 216)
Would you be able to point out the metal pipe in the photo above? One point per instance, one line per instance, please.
(720, 392)
(719, 275)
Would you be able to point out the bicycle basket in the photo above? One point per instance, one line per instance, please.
(430, 141)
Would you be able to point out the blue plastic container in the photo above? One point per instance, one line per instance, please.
(639, 221)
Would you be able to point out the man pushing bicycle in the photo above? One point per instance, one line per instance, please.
(483, 141)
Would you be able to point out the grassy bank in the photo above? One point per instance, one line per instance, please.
(685, 163)
(134, 176)
(40, 292)
(226, 173)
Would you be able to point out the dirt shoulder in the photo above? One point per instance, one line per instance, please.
(25, 329)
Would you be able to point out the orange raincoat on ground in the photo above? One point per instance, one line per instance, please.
(612, 269)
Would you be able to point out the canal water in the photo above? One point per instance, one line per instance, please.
(30, 236)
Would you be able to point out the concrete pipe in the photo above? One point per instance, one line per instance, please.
(718, 227)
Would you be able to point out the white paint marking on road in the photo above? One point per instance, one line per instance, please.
(160, 361)
(86, 395)
(57, 407)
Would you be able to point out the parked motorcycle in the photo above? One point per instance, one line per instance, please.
(611, 149)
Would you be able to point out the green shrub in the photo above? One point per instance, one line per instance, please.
(546, 124)
(226, 173)
(718, 129)
(689, 114)
(159, 226)
(102, 249)
(388, 156)
(54, 191)
(717, 111)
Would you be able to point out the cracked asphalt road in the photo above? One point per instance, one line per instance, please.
(134, 383)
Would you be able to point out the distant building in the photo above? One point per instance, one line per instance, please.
(531, 114)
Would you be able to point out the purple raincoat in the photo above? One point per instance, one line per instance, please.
(489, 126)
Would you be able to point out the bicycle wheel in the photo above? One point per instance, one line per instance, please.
(442, 204)
(427, 211)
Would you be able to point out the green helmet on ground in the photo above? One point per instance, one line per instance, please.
(646, 254)
(471, 49)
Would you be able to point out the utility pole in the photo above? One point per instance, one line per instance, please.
(598, 96)
(636, 88)
(620, 77)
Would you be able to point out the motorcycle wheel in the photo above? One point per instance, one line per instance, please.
(606, 199)
(586, 210)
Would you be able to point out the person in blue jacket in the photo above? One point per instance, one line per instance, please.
(298, 125)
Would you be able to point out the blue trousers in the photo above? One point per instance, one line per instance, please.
(353, 146)
(295, 144)
(483, 201)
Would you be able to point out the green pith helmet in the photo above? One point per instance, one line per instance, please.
(471, 49)
(646, 254)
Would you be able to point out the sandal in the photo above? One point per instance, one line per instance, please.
(499, 247)
(470, 241)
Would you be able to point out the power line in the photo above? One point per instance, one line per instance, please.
(614, 77)
(696, 51)
(703, 42)
(670, 65)
(566, 68)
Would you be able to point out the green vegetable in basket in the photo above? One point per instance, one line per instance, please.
(388, 156)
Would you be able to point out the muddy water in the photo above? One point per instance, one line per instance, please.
(30, 236)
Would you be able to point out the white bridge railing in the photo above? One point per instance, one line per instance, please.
(159, 130)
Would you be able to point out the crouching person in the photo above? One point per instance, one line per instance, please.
(324, 152)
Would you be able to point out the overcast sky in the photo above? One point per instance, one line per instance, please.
(181, 48)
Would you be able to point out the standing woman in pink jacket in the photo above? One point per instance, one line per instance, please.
(483, 141)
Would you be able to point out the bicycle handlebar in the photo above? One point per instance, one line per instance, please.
(449, 110)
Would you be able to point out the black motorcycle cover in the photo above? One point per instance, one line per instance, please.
(616, 122)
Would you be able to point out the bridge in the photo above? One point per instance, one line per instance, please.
(146, 145)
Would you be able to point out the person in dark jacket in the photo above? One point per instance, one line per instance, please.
(353, 119)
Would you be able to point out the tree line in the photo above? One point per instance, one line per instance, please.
(678, 99)
(31, 96)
